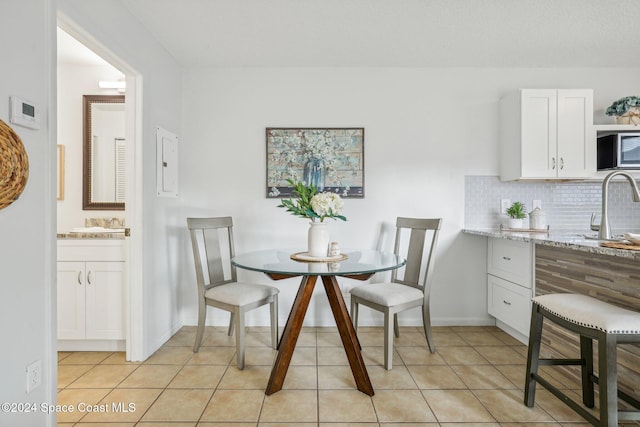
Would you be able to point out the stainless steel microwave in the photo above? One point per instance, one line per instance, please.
(619, 151)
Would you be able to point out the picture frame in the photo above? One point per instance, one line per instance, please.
(60, 181)
(330, 158)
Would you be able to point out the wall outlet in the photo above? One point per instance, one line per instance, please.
(504, 205)
(34, 375)
(536, 204)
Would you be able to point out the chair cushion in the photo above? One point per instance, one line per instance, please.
(240, 293)
(387, 294)
(590, 312)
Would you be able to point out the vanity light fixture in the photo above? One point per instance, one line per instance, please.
(120, 86)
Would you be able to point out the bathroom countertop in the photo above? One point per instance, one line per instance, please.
(569, 240)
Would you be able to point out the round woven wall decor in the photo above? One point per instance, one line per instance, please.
(14, 165)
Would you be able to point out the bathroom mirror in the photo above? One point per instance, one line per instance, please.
(104, 152)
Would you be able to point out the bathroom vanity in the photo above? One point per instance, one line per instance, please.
(90, 294)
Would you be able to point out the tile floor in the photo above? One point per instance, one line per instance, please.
(474, 378)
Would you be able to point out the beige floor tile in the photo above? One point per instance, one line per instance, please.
(157, 424)
(335, 377)
(558, 409)
(419, 356)
(257, 339)
(306, 339)
(69, 373)
(304, 356)
(72, 400)
(298, 424)
(501, 355)
(85, 358)
(234, 406)
(480, 338)
(213, 356)
(480, 377)
(461, 356)
(219, 339)
(126, 405)
(397, 378)
(224, 424)
(118, 358)
(179, 405)
(514, 373)
(459, 406)
(411, 339)
(301, 378)
(63, 354)
(182, 338)
(477, 425)
(402, 406)
(170, 356)
(447, 339)
(103, 376)
(150, 376)
(508, 406)
(331, 356)
(328, 339)
(370, 339)
(256, 356)
(345, 406)
(290, 406)
(508, 339)
(98, 424)
(251, 377)
(435, 377)
(374, 356)
(536, 424)
(409, 425)
(198, 376)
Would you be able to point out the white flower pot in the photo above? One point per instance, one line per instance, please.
(318, 239)
(515, 222)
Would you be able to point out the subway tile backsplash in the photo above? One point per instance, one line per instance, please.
(568, 205)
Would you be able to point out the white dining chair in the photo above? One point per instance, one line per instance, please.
(406, 292)
(213, 248)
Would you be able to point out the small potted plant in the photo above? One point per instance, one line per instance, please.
(516, 213)
(626, 110)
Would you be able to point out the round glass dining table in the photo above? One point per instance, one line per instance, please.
(354, 264)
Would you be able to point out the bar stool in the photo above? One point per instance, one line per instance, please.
(592, 319)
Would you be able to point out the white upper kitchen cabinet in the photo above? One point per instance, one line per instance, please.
(547, 134)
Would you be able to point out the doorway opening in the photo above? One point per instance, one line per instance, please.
(85, 67)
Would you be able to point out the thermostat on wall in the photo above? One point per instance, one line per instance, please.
(24, 113)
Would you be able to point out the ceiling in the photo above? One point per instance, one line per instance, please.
(395, 33)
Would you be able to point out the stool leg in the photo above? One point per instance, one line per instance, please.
(533, 355)
(608, 380)
(586, 354)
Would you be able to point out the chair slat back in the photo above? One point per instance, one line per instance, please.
(422, 233)
(212, 244)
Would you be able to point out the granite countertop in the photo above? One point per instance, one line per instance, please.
(110, 236)
(560, 239)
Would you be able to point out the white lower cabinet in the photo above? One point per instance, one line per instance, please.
(90, 292)
(510, 284)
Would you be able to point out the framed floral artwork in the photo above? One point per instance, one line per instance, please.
(330, 158)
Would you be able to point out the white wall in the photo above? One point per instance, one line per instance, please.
(425, 129)
(74, 81)
(27, 226)
(158, 222)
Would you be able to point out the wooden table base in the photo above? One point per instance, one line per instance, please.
(294, 325)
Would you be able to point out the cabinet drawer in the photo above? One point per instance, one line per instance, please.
(509, 303)
(511, 260)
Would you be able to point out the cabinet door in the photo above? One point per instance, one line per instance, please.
(539, 133)
(104, 300)
(70, 296)
(509, 303)
(576, 140)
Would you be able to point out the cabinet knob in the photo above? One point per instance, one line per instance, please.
(89, 277)
(553, 163)
(506, 302)
(506, 258)
(79, 277)
(561, 163)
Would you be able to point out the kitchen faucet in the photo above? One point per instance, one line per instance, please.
(604, 231)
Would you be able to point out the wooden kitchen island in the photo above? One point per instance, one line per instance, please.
(610, 278)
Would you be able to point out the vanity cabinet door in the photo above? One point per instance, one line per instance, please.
(71, 302)
(104, 300)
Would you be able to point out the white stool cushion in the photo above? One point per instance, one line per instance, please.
(239, 293)
(590, 312)
(387, 294)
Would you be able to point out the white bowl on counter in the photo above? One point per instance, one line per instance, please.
(633, 238)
